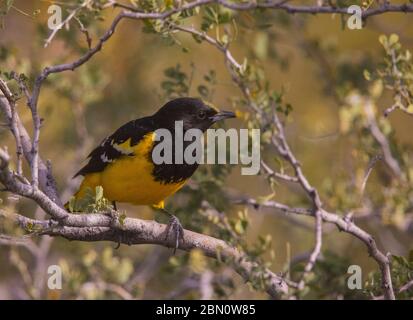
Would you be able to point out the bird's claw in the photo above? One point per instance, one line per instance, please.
(175, 227)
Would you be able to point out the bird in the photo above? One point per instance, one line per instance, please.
(122, 164)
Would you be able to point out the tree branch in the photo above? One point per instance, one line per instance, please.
(280, 143)
(381, 139)
(108, 226)
(280, 5)
(132, 231)
(46, 180)
(348, 226)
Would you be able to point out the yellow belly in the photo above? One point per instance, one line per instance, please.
(129, 179)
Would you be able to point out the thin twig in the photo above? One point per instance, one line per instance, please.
(23, 241)
(381, 139)
(272, 173)
(369, 170)
(13, 125)
(85, 32)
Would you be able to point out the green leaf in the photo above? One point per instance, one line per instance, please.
(261, 45)
(225, 39)
(71, 204)
(203, 91)
(197, 38)
(401, 260)
(393, 39)
(122, 218)
(288, 109)
(244, 66)
(383, 40)
(266, 198)
(238, 227)
(99, 193)
(408, 55)
(211, 76)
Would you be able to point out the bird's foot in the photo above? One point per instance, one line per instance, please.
(123, 237)
(175, 228)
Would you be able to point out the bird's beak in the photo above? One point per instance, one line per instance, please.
(222, 115)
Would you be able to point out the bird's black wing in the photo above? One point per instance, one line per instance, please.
(108, 152)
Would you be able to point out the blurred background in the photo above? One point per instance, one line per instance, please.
(312, 59)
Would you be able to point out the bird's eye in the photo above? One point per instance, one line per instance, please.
(201, 115)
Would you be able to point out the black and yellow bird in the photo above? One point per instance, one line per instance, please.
(123, 165)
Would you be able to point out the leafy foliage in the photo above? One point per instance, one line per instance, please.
(402, 274)
(396, 72)
(93, 201)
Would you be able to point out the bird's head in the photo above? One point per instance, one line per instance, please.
(192, 111)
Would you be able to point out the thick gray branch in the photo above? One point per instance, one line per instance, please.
(102, 227)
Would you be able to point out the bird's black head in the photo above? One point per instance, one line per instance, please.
(193, 112)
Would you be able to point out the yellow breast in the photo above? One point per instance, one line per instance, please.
(129, 179)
